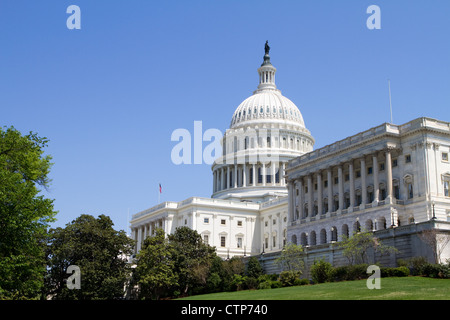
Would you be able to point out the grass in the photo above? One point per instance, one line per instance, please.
(405, 288)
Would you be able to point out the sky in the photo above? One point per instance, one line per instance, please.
(109, 96)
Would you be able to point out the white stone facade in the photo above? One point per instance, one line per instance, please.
(270, 187)
(387, 176)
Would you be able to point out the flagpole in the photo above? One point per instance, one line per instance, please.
(390, 102)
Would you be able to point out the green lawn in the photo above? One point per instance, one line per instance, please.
(406, 288)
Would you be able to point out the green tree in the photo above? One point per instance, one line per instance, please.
(155, 267)
(193, 258)
(254, 268)
(98, 250)
(25, 214)
(356, 248)
(291, 258)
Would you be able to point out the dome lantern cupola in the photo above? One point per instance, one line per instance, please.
(266, 73)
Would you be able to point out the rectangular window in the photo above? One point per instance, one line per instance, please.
(408, 158)
(239, 223)
(358, 173)
(223, 222)
(347, 177)
(446, 188)
(325, 183)
(205, 220)
(205, 239)
(381, 166)
(336, 180)
(274, 241)
(266, 242)
(394, 163)
(239, 242)
(222, 241)
(444, 156)
(369, 170)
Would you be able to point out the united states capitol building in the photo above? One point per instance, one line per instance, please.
(270, 187)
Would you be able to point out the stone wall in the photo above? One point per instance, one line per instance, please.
(405, 238)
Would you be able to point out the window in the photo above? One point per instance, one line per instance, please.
(408, 158)
(265, 223)
(205, 239)
(222, 241)
(266, 242)
(444, 156)
(409, 187)
(358, 173)
(274, 221)
(446, 188)
(336, 180)
(239, 242)
(205, 220)
(274, 238)
(223, 222)
(185, 221)
(369, 170)
(394, 163)
(239, 223)
(325, 183)
(347, 177)
(381, 166)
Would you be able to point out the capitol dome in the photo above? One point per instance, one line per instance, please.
(266, 132)
(267, 105)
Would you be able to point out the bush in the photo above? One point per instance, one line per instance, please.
(254, 268)
(436, 270)
(287, 278)
(321, 271)
(251, 283)
(276, 284)
(301, 282)
(264, 285)
(394, 272)
(351, 272)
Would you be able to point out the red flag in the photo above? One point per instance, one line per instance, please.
(160, 188)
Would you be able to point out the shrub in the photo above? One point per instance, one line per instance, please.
(350, 272)
(287, 278)
(251, 283)
(436, 270)
(321, 271)
(394, 272)
(264, 285)
(301, 282)
(275, 284)
(254, 268)
(417, 264)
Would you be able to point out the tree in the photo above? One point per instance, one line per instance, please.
(193, 258)
(254, 268)
(155, 267)
(436, 240)
(291, 258)
(98, 250)
(25, 215)
(356, 247)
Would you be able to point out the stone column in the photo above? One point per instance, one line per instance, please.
(388, 168)
(319, 193)
(282, 173)
(363, 184)
(244, 175)
(352, 186)
(254, 175)
(222, 179)
(330, 190)
(376, 183)
(235, 176)
(291, 203)
(139, 239)
(273, 173)
(341, 188)
(310, 196)
(300, 202)
(263, 173)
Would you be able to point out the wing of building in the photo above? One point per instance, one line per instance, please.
(270, 187)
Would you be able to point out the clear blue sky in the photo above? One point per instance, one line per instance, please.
(110, 95)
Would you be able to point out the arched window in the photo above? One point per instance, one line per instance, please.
(304, 239)
(323, 236)
(294, 239)
(345, 230)
(312, 238)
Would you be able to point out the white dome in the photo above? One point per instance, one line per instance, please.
(267, 106)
